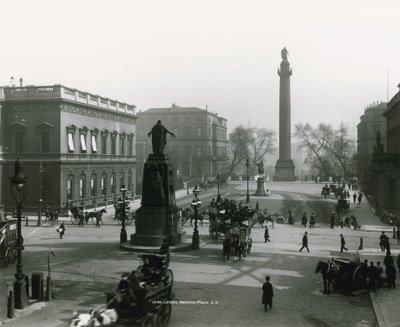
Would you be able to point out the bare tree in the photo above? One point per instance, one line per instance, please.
(239, 140)
(262, 141)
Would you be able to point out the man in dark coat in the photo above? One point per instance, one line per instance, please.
(304, 220)
(371, 274)
(266, 235)
(305, 242)
(333, 219)
(268, 294)
(391, 275)
(342, 243)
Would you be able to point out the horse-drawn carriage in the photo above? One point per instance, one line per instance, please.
(8, 242)
(345, 275)
(342, 207)
(84, 217)
(142, 297)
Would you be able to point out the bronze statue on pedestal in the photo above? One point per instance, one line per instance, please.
(159, 137)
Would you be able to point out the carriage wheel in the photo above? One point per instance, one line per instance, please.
(149, 320)
(164, 315)
(358, 279)
(168, 277)
(74, 220)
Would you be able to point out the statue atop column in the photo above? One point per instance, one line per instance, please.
(284, 53)
(159, 137)
(260, 168)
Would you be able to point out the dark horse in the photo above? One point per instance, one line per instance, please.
(95, 214)
(326, 269)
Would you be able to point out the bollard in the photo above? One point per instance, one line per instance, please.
(48, 289)
(10, 305)
(361, 243)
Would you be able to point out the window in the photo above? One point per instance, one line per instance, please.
(103, 184)
(71, 146)
(94, 143)
(113, 143)
(121, 179)
(104, 143)
(70, 183)
(82, 187)
(82, 138)
(19, 141)
(130, 145)
(198, 131)
(209, 132)
(44, 141)
(93, 185)
(186, 131)
(121, 144)
(199, 150)
(113, 183)
(210, 150)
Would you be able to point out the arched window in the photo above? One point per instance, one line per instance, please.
(70, 187)
(122, 179)
(82, 187)
(93, 185)
(130, 187)
(113, 183)
(103, 184)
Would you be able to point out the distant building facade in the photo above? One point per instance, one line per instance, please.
(385, 166)
(200, 147)
(76, 148)
(371, 122)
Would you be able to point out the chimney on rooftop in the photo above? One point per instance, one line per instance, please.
(12, 81)
(20, 81)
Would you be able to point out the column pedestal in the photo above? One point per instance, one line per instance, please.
(260, 187)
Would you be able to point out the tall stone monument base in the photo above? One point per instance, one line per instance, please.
(157, 218)
(260, 187)
(284, 170)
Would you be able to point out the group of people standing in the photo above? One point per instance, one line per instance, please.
(311, 222)
(373, 274)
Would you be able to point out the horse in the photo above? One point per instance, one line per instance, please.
(325, 268)
(95, 214)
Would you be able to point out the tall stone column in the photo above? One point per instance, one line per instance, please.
(284, 167)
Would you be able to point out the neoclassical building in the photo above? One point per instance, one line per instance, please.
(371, 122)
(385, 166)
(76, 148)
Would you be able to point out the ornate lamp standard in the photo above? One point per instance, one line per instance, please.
(247, 169)
(122, 207)
(19, 192)
(196, 203)
(218, 177)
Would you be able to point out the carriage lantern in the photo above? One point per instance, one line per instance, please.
(196, 203)
(19, 192)
(122, 211)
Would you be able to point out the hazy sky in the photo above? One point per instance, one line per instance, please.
(223, 54)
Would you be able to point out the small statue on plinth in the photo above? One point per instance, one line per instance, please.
(284, 53)
(260, 168)
(159, 137)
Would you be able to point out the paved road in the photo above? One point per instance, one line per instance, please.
(209, 291)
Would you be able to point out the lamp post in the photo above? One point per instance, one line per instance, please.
(19, 192)
(40, 194)
(122, 207)
(218, 177)
(247, 168)
(195, 205)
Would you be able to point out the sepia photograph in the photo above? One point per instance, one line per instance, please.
(199, 163)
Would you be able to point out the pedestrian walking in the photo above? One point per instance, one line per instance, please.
(333, 219)
(371, 274)
(391, 275)
(383, 242)
(268, 294)
(226, 248)
(312, 220)
(354, 197)
(52, 218)
(98, 219)
(61, 230)
(56, 216)
(266, 235)
(342, 243)
(360, 195)
(379, 272)
(305, 242)
(304, 220)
